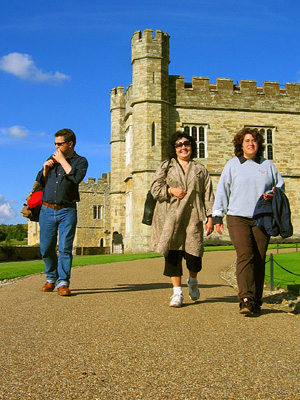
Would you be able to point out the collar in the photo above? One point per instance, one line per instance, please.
(71, 156)
(242, 159)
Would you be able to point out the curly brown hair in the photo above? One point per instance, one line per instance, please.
(239, 138)
(173, 139)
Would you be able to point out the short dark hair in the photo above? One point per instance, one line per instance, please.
(239, 138)
(68, 134)
(173, 139)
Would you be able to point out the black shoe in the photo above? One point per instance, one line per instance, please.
(246, 306)
(257, 308)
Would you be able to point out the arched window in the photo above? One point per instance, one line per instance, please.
(201, 134)
(194, 132)
(201, 150)
(270, 152)
(153, 134)
(269, 136)
(187, 130)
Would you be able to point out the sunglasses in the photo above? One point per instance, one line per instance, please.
(59, 144)
(186, 143)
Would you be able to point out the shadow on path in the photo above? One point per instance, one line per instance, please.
(134, 288)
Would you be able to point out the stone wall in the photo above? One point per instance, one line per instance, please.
(19, 253)
(93, 210)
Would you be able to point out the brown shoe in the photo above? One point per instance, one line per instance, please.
(64, 291)
(48, 287)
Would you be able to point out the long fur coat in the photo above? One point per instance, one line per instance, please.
(178, 224)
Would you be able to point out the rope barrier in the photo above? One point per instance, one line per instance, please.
(290, 272)
(271, 260)
(293, 273)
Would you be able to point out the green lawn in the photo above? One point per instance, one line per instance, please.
(23, 268)
(282, 278)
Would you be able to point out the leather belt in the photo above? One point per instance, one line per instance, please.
(55, 207)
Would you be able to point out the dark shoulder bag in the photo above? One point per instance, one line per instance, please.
(150, 204)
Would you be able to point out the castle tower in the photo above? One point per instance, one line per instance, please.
(117, 146)
(149, 103)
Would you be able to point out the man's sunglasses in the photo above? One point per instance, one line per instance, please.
(59, 144)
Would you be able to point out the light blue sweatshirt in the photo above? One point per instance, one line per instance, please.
(241, 184)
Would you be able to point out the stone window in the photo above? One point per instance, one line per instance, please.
(128, 145)
(199, 133)
(128, 213)
(153, 134)
(268, 134)
(97, 212)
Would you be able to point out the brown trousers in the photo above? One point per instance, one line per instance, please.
(251, 245)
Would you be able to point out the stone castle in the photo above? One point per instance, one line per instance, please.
(157, 104)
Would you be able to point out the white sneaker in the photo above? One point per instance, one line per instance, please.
(193, 290)
(176, 300)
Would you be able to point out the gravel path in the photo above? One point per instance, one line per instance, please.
(116, 338)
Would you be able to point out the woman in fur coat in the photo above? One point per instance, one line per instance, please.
(183, 190)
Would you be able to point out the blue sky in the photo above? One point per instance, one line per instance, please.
(59, 60)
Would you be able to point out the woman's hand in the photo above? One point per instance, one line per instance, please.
(178, 192)
(219, 228)
(209, 227)
(269, 196)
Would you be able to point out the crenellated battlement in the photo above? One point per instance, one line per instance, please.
(128, 99)
(225, 94)
(94, 186)
(117, 98)
(145, 45)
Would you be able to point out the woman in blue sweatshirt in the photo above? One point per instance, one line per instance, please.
(244, 179)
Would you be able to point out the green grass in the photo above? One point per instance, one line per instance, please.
(270, 247)
(282, 278)
(23, 268)
(290, 261)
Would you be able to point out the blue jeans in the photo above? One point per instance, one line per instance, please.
(62, 222)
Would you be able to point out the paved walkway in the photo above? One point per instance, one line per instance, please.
(116, 338)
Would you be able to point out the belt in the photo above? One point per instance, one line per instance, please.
(55, 207)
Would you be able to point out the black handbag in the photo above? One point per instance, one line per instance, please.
(150, 204)
(148, 209)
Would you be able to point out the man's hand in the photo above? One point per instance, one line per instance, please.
(59, 156)
(61, 159)
(47, 166)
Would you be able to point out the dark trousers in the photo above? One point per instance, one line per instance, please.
(173, 263)
(251, 245)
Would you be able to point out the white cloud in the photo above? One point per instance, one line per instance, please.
(6, 210)
(17, 132)
(23, 67)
